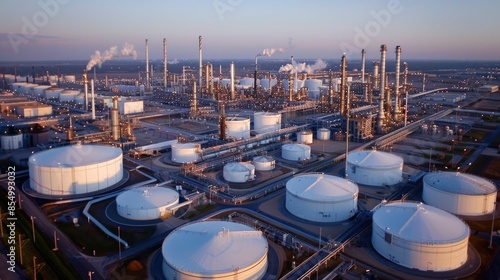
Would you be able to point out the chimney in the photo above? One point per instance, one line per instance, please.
(147, 66)
(33, 73)
(165, 73)
(255, 78)
(70, 132)
(376, 67)
(115, 121)
(330, 89)
(93, 98)
(200, 63)
(380, 121)
(343, 88)
(396, 90)
(233, 97)
(222, 121)
(15, 74)
(363, 62)
(194, 108)
(85, 90)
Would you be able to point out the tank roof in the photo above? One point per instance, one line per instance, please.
(321, 187)
(213, 247)
(460, 183)
(147, 197)
(239, 166)
(419, 222)
(374, 159)
(75, 155)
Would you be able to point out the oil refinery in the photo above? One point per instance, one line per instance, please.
(256, 169)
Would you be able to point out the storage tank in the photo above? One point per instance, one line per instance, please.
(305, 137)
(80, 98)
(313, 86)
(374, 168)
(185, 152)
(295, 152)
(37, 135)
(419, 236)
(264, 163)
(238, 172)
(75, 169)
(68, 95)
(214, 250)
(459, 193)
(69, 78)
(40, 90)
(238, 127)
(245, 83)
(264, 83)
(323, 134)
(298, 84)
(52, 93)
(146, 203)
(321, 198)
(266, 122)
(11, 138)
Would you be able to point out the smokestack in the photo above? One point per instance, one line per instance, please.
(151, 77)
(383, 79)
(343, 79)
(423, 83)
(255, 78)
(233, 97)
(33, 73)
(58, 76)
(15, 74)
(95, 77)
(147, 66)
(70, 134)
(376, 66)
(396, 90)
(43, 73)
(115, 121)
(222, 121)
(330, 89)
(93, 98)
(200, 45)
(291, 59)
(363, 62)
(405, 87)
(165, 64)
(194, 109)
(4, 81)
(85, 90)
(106, 82)
(380, 123)
(290, 87)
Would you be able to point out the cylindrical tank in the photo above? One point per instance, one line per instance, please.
(68, 95)
(245, 83)
(305, 137)
(296, 152)
(186, 152)
(146, 203)
(52, 93)
(264, 83)
(80, 98)
(238, 172)
(374, 168)
(419, 236)
(321, 198)
(39, 90)
(264, 163)
(323, 134)
(215, 250)
(238, 127)
(75, 169)
(37, 135)
(69, 78)
(12, 140)
(313, 86)
(266, 122)
(459, 193)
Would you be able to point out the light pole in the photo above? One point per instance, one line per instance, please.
(90, 275)
(492, 225)
(34, 268)
(33, 228)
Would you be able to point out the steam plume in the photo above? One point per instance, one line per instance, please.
(99, 58)
(173, 61)
(303, 67)
(270, 52)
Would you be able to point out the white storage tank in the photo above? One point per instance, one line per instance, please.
(266, 122)
(75, 169)
(264, 83)
(245, 83)
(80, 98)
(69, 78)
(146, 203)
(11, 139)
(52, 93)
(321, 198)
(459, 193)
(214, 250)
(39, 90)
(264, 163)
(295, 152)
(130, 106)
(238, 127)
(374, 168)
(419, 236)
(69, 95)
(305, 137)
(323, 134)
(238, 172)
(185, 152)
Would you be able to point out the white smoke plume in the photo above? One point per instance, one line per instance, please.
(173, 61)
(270, 52)
(303, 67)
(99, 58)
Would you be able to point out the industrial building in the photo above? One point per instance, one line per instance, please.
(374, 168)
(419, 236)
(75, 169)
(214, 250)
(146, 203)
(321, 198)
(459, 193)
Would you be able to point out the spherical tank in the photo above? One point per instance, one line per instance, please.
(321, 198)
(459, 193)
(185, 152)
(214, 250)
(264, 163)
(238, 127)
(420, 236)
(296, 152)
(374, 168)
(266, 122)
(238, 172)
(305, 137)
(323, 134)
(75, 169)
(146, 203)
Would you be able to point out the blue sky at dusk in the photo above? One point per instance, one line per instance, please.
(233, 29)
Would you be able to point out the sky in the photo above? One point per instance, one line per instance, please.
(237, 29)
